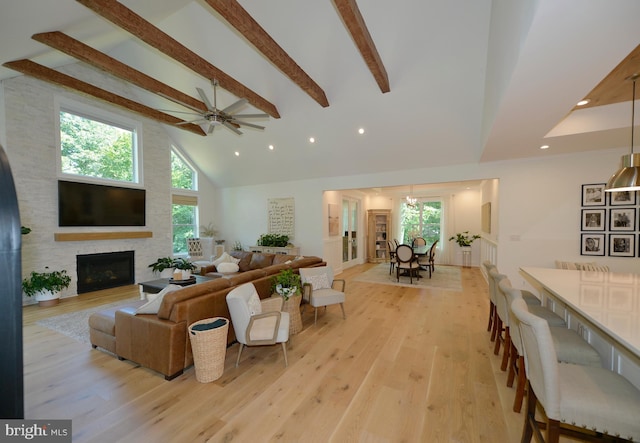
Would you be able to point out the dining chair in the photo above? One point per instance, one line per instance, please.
(406, 262)
(583, 402)
(392, 256)
(320, 288)
(257, 322)
(419, 241)
(570, 346)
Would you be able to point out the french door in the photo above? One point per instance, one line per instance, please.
(350, 237)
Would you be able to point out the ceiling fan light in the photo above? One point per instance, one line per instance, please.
(627, 178)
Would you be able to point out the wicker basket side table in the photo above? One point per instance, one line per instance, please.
(209, 347)
(292, 306)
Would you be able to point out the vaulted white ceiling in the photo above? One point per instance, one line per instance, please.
(470, 80)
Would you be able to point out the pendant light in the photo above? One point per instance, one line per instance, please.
(411, 200)
(627, 178)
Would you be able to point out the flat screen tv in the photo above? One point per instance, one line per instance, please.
(87, 204)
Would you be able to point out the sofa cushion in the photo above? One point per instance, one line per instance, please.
(245, 259)
(155, 300)
(283, 258)
(228, 268)
(260, 260)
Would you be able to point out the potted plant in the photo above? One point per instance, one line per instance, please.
(277, 240)
(164, 266)
(46, 286)
(287, 283)
(464, 239)
(185, 266)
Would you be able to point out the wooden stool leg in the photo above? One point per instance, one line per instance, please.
(494, 329)
(513, 361)
(520, 385)
(496, 348)
(492, 309)
(506, 349)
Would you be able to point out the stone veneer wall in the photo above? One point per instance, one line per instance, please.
(31, 148)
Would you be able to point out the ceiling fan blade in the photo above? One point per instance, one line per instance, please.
(197, 121)
(229, 109)
(206, 101)
(251, 125)
(179, 112)
(230, 126)
(251, 116)
(186, 105)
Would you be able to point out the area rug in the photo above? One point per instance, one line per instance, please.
(76, 324)
(444, 277)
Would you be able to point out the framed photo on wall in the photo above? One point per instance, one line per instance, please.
(622, 198)
(593, 220)
(622, 245)
(592, 244)
(593, 195)
(622, 219)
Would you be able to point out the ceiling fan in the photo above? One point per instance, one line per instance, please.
(219, 117)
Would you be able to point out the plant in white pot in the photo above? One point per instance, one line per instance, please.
(287, 283)
(464, 239)
(164, 266)
(46, 286)
(183, 266)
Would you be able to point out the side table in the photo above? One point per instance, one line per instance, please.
(292, 306)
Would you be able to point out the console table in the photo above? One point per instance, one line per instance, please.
(603, 307)
(286, 250)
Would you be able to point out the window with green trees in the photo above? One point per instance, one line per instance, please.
(421, 220)
(184, 208)
(94, 147)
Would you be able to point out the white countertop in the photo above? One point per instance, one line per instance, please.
(610, 300)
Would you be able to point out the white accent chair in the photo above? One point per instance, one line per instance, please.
(196, 254)
(318, 288)
(583, 402)
(257, 323)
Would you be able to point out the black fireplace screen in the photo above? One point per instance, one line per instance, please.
(105, 270)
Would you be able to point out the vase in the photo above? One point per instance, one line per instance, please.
(47, 298)
(292, 306)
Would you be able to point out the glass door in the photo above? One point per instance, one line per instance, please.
(350, 238)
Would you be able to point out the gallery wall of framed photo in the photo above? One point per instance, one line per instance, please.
(609, 222)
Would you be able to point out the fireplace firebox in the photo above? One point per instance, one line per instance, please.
(105, 270)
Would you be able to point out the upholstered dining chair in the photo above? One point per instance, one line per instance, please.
(406, 262)
(320, 288)
(419, 241)
(583, 402)
(257, 322)
(570, 347)
(392, 255)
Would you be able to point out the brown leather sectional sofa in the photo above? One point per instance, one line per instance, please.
(160, 341)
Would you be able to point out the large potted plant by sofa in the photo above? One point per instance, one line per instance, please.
(164, 266)
(46, 286)
(288, 285)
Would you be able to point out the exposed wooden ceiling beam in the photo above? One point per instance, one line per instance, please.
(49, 75)
(356, 26)
(87, 54)
(128, 20)
(240, 19)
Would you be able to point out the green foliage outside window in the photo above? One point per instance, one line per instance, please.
(95, 149)
(422, 220)
(182, 176)
(184, 224)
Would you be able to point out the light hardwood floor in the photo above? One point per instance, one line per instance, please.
(407, 365)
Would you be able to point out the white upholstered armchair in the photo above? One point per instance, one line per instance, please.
(257, 322)
(319, 288)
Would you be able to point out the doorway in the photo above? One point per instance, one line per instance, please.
(350, 237)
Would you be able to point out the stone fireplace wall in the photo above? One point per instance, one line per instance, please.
(31, 148)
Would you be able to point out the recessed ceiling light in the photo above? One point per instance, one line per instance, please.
(583, 102)
(271, 147)
(237, 154)
(312, 140)
(544, 147)
(361, 131)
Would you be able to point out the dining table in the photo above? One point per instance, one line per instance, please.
(603, 307)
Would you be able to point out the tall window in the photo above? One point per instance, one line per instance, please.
(184, 208)
(421, 220)
(94, 146)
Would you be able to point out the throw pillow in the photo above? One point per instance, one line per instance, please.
(225, 258)
(320, 281)
(227, 268)
(255, 307)
(155, 300)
